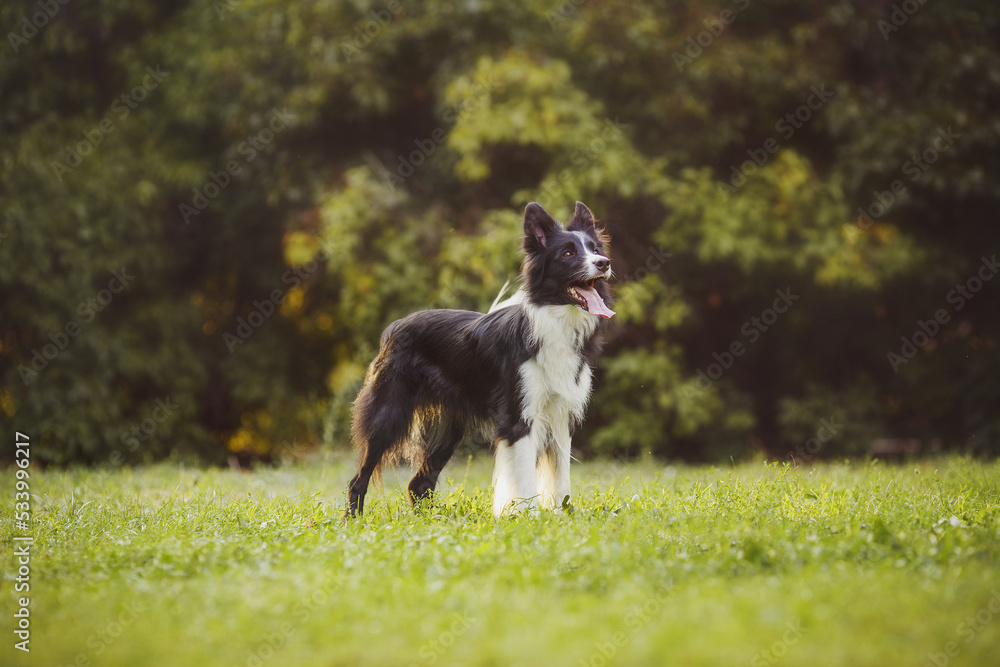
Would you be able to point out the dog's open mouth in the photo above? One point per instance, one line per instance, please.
(587, 298)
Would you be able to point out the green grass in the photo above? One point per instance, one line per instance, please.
(861, 564)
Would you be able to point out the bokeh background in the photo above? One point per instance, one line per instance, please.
(211, 209)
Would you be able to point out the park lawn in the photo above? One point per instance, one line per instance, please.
(757, 564)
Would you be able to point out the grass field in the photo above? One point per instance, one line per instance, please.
(860, 564)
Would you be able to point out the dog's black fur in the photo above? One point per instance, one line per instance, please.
(441, 373)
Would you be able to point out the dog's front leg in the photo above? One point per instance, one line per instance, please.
(514, 484)
(553, 471)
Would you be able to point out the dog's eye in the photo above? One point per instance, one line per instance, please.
(568, 253)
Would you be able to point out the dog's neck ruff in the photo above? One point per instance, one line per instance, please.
(564, 328)
(557, 380)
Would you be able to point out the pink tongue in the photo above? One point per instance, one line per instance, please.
(595, 304)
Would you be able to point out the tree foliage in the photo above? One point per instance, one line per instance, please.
(284, 179)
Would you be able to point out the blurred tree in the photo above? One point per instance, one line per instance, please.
(284, 180)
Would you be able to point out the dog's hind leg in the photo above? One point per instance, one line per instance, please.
(439, 441)
(382, 416)
(358, 486)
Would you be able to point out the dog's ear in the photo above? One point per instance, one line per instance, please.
(538, 227)
(582, 220)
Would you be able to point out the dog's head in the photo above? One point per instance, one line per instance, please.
(566, 266)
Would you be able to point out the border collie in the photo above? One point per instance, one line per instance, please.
(521, 374)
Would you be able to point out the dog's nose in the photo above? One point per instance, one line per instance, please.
(603, 264)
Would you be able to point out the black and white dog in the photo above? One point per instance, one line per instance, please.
(520, 373)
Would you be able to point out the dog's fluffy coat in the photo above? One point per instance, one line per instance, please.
(520, 374)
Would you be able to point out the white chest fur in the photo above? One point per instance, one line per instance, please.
(557, 380)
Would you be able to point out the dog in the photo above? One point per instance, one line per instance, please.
(520, 374)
